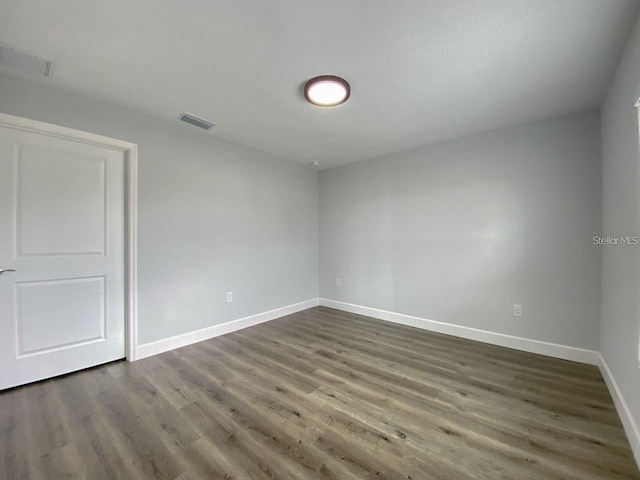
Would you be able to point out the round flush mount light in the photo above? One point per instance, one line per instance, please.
(327, 91)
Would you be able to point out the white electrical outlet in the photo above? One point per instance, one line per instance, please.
(338, 282)
(229, 297)
(517, 310)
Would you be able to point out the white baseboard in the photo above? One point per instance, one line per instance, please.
(628, 421)
(153, 348)
(565, 352)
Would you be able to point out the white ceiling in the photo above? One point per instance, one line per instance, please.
(421, 71)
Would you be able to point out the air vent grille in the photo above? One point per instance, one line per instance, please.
(198, 122)
(15, 61)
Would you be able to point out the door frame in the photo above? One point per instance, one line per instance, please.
(130, 151)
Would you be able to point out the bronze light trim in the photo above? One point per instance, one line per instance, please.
(327, 78)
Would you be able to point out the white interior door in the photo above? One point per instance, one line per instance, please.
(62, 231)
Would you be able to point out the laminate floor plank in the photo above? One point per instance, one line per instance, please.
(320, 394)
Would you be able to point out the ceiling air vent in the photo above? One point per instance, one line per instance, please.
(17, 62)
(198, 122)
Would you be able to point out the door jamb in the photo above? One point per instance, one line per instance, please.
(130, 151)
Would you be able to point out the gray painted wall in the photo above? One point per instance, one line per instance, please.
(460, 231)
(213, 217)
(620, 326)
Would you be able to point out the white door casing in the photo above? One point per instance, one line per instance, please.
(67, 213)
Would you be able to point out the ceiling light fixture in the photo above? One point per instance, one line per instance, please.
(327, 91)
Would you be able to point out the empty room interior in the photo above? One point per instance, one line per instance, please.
(344, 240)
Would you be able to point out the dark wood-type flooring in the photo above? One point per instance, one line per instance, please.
(319, 394)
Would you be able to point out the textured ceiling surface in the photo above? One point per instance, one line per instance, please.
(421, 71)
